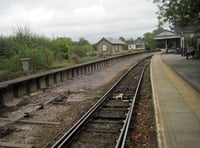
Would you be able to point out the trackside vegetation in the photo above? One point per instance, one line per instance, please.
(43, 52)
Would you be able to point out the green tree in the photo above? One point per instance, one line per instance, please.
(180, 13)
(77, 51)
(24, 44)
(83, 42)
(83, 48)
(5, 45)
(149, 41)
(122, 39)
(129, 41)
(62, 48)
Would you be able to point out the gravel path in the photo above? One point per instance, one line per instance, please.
(75, 98)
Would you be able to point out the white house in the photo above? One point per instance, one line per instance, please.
(138, 45)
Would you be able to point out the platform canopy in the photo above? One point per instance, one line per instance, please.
(167, 35)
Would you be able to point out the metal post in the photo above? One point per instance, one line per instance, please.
(182, 44)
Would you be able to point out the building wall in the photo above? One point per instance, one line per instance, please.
(107, 48)
(116, 49)
(140, 46)
(131, 46)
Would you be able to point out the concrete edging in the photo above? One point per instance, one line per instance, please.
(159, 127)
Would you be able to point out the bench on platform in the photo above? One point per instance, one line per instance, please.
(190, 53)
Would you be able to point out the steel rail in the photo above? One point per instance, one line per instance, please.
(28, 113)
(68, 135)
(124, 131)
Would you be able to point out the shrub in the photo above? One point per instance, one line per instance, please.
(79, 52)
(13, 64)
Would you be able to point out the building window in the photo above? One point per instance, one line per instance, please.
(116, 48)
(104, 47)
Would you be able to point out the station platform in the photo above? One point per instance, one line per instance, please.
(176, 85)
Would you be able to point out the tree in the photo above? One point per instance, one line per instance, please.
(83, 42)
(149, 41)
(129, 41)
(179, 13)
(122, 39)
(82, 48)
(62, 48)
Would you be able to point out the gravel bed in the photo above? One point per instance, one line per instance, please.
(142, 133)
(76, 96)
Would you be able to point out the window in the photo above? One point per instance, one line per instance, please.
(104, 47)
(116, 48)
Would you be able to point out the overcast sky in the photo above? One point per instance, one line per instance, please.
(91, 19)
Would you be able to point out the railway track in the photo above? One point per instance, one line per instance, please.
(106, 124)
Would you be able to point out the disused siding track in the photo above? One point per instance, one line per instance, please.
(106, 123)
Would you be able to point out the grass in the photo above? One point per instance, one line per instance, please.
(7, 75)
(59, 64)
(86, 59)
(66, 63)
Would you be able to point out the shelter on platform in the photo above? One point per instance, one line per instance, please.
(191, 35)
(168, 35)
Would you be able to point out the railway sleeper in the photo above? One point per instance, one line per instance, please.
(97, 141)
(112, 109)
(124, 89)
(112, 112)
(102, 131)
(120, 90)
(117, 103)
(126, 97)
(105, 126)
(98, 135)
(110, 117)
(89, 144)
(106, 121)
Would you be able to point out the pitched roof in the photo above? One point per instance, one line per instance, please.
(166, 35)
(112, 41)
(138, 41)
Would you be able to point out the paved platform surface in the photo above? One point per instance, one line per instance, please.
(175, 83)
(189, 70)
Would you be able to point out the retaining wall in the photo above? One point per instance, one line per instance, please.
(22, 86)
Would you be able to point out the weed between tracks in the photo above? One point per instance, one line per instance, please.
(143, 128)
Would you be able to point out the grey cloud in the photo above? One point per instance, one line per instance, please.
(91, 19)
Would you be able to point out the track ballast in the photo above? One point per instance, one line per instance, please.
(106, 123)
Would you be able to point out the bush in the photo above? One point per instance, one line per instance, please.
(6, 75)
(13, 64)
(62, 48)
(48, 56)
(40, 58)
(79, 52)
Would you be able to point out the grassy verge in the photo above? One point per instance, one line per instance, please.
(7, 75)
